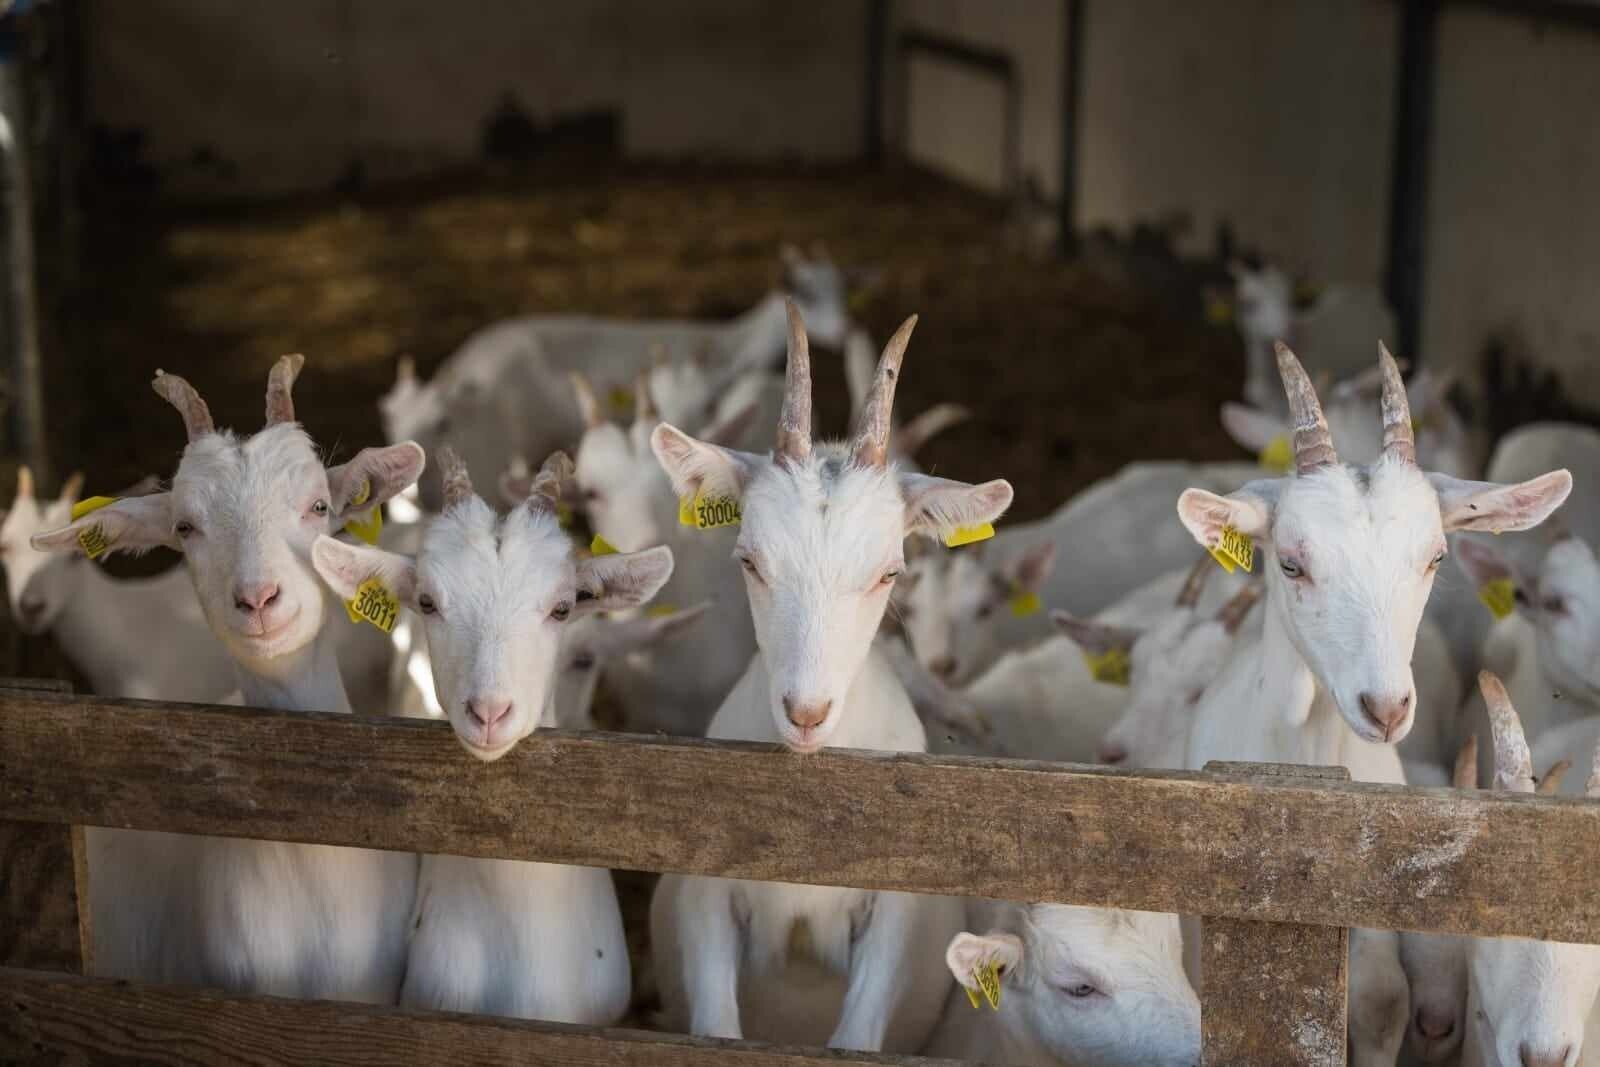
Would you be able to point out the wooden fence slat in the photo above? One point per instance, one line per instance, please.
(60, 1020)
(1274, 992)
(1264, 849)
(44, 920)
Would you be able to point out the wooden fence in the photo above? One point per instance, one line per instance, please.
(1281, 861)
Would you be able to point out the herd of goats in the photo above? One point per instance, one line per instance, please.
(1327, 602)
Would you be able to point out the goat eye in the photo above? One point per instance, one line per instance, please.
(749, 566)
(583, 661)
(561, 611)
(1554, 605)
(184, 528)
(985, 610)
(889, 577)
(426, 605)
(1437, 560)
(319, 508)
(1290, 568)
(591, 494)
(1079, 991)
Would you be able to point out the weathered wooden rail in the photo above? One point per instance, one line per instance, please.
(1280, 860)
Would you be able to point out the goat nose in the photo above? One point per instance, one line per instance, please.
(806, 716)
(1386, 713)
(31, 606)
(1544, 1058)
(1112, 752)
(1434, 1025)
(488, 711)
(943, 666)
(254, 597)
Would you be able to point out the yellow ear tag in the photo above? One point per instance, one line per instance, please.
(988, 979)
(369, 528)
(601, 547)
(685, 512)
(1024, 602)
(1219, 311)
(966, 535)
(709, 513)
(656, 611)
(374, 603)
(93, 541)
(1111, 667)
(1278, 456)
(563, 516)
(1234, 549)
(1499, 595)
(621, 399)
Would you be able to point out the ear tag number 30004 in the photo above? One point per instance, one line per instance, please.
(374, 603)
(93, 539)
(710, 512)
(1234, 549)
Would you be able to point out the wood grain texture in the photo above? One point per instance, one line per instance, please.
(62, 1020)
(1275, 993)
(1261, 847)
(44, 918)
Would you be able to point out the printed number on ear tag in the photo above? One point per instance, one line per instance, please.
(1277, 457)
(966, 535)
(1111, 667)
(988, 979)
(1499, 595)
(93, 540)
(374, 603)
(1235, 549)
(601, 547)
(1024, 602)
(709, 513)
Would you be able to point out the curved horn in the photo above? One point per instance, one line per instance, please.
(1237, 609)
(1466, 772)
(546, 491)
(406, 369)
(181, 395)
(453, 473)
(1513, 763)
(24, 482)
(1313, 444)
(588, 403)
(1398, 439)
(1552, 778)
(71, 488)
(1195, 583)
(794, 424)
(916, 433)
(871, 443)
(644, 405)
(280, 388)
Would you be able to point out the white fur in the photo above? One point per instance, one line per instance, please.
(1086, 986)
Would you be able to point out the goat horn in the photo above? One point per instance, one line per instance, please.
(24, 482)
(1466, 772)
(181, 395)
(71, 487)
(1313, 444)
(1236, 610)
(916, 433)
(588, 403)
(555, 472)
(406, 369)
(1552, 778)
(280, 388)
(1398, 438)
(1513, 763)
(453, 473)
(644, 405)
(1195, 583)
(794, 424)
(872, 425)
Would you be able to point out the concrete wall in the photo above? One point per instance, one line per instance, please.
(291, 92)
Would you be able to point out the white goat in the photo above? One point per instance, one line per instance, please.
(495, 595)
(1097, 987)
(1543, 445)
(499, 395)
(264, 917)
(1348, 555)
(821, 544)
(1530, 1003)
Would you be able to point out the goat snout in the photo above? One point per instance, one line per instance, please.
(806, 715)
(255, 596)
(487, 712)
(30, 607)
(1434, 1026)
(1387, 713)
(943, 666)
(1532, 1057)
(1111, 752)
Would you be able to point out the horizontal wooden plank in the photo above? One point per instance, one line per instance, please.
(1237, 846)
(59, 1019)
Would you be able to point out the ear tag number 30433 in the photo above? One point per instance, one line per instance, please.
(710, 512)
(1234, 549)
(374, 603)
(93, 539)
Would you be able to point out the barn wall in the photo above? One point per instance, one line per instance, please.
(290, 93)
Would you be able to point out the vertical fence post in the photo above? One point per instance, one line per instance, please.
(44, 885)
(1274, 992)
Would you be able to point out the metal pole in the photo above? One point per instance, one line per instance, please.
(21, 296)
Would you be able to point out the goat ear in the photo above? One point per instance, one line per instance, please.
(1249, 511)
(629, 635)
(135, 524)
(1032, 567)
(1481, 563)
(695, 467)
(381, 472)
(622, 580)
(1251, 428)
(937, 507)
(344, 566)
(1095, 638)
(969, 953)
(1494, 508)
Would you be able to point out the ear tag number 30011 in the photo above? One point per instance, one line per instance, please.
(374, 603)
(93, 539)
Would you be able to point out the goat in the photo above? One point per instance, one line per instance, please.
(821, 545)
(495, 595)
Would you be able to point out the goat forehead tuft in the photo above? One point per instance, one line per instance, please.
(224, 468)
(1333, 501)
(825, 512)
(471, 546)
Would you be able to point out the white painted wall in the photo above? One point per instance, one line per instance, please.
(291, 90)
